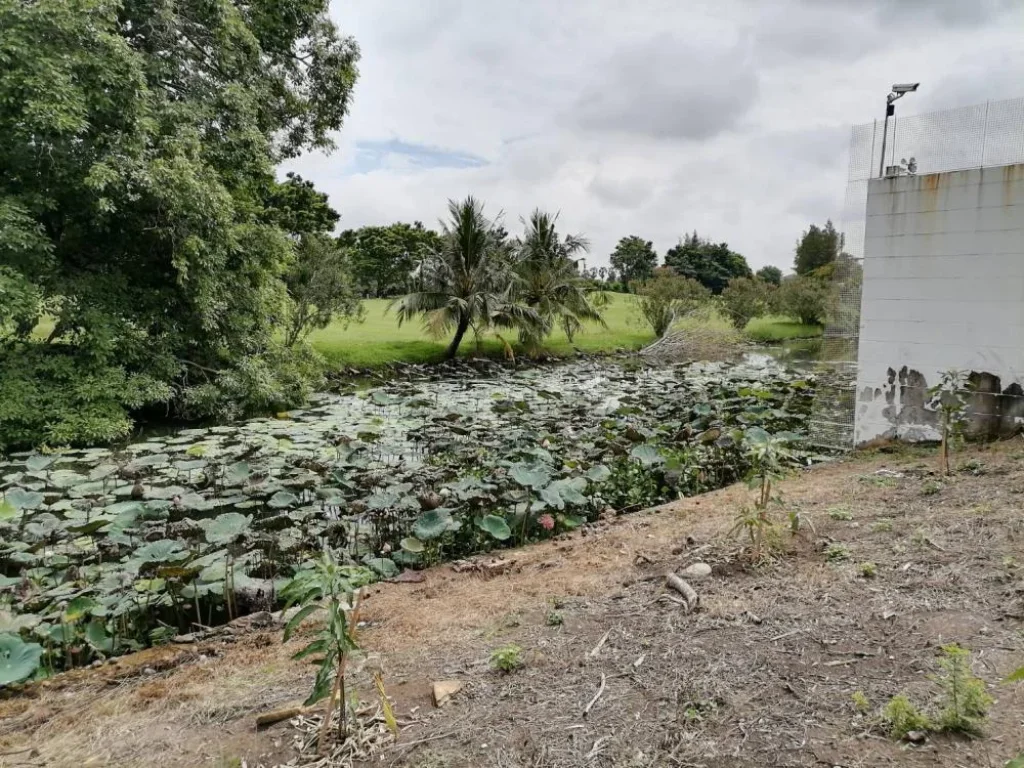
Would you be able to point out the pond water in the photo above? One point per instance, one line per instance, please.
(147, 540)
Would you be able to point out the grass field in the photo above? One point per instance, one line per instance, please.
(776, 328)
(379, 340)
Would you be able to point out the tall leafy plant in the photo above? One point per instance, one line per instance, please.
(332, 588)
(947, 397)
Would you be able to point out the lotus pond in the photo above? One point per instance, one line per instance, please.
(104, 551)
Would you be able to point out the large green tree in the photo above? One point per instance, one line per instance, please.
(634, 259)
(771, 275)
(386, 260)
(469, 282)
(712, 265)
(817, 248)
(138, 141)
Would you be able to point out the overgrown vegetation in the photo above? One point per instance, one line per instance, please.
(667, 297)
(139, 210)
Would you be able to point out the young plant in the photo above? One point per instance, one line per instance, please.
(861, 702)
(868, 570)
(507, 658)
(966, 702)
(332, 587)
(947, 397)
(766, 455)
(900, 717)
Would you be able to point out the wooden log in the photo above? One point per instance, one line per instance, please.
(689, 594)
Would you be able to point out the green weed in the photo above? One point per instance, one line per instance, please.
(860, 701)
(868, 570)
(882, 526)
(840, 513)
(837, 553)
(900, 717)
(507, 658)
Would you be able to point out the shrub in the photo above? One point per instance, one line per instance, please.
(507, 658)
(900, 717)
(746, 298)
(965, 701)
(666, 297)
(868, 570)
(860, 701)
(804, 298)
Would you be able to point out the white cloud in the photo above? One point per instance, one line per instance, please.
(653, 117)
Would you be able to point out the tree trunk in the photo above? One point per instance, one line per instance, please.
(460, 331)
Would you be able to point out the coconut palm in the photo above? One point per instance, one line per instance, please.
(549, 280)
(468, 283)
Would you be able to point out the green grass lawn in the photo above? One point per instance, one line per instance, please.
(778, 328)
(379, 340)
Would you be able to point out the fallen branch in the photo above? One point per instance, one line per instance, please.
(600, 692)
(689, 594)
(276, 716)
(600, 644)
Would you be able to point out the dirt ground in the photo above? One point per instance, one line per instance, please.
(760, 675)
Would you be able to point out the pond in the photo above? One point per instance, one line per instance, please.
(106, 550)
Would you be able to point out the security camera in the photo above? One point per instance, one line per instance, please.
(902, 88)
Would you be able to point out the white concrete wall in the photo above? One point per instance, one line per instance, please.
(943, 288)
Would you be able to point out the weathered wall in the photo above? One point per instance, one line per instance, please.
(943, 288)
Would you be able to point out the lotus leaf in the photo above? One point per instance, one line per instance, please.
(530, 475)
(39, 462)
(226, 528)
(598, 473)
(19, 498)
(496, 526)
(78, 609)
(238, 473)
(412, 544)
(382, 565)
(152, 460)
(162, 551)
(7, 510)
(18, 660)
(432, 524)
(282, 500)
(647, 455)
(165, 492)
(96, 635)
(565, 491)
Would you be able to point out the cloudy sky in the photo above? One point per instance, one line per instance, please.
(647, 117)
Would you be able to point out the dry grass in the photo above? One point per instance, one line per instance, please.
(762, 675)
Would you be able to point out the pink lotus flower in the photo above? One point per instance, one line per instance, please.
(547, 522)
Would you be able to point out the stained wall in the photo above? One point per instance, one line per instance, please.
(943, 288)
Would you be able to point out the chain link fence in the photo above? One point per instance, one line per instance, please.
(978, 136)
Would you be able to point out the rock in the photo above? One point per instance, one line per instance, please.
(916, 737)
(409, 577)
(444, 690)
(149, 671)
(185, 639)
(696, 572)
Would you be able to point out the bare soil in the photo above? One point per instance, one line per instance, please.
(760, 675)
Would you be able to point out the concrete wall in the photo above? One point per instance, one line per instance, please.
(943, 288)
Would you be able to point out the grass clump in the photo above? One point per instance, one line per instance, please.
(836, 553)
(840, 513)
(554, 619)
(931, 488)
(900, 717)
(507, 658)
(882, 526)
(868, 570)
(860, 702)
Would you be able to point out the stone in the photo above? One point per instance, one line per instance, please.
(916, 737)
(444, 690)
(696, 572)
(185, 639)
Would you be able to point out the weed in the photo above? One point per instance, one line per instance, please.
(766, 454)
(900, 717)
(507, 658)
(920, 538)
(981, 509)
(972, 466)
(840, 513)
(868, 570)
(860, 701)
(554, 619)
(965, 700)
(931, 488)
(882, 526)
(836, 553)
(947, 397)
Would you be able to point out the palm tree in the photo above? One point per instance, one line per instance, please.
(549, 280)
(468, 282)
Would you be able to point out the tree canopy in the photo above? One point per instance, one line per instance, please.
(817, 248)
(138, 205)
(385, 260)
(770, 274)
(634, 259)
(712, 265)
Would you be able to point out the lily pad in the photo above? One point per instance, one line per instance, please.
(496, 526)
(282, 500)
(647, 455)
(226, 528)
(162, 551)
(385, 566)
(530, 475)
(18, 660)
(412, 544)
(432, 524)
(19, 498)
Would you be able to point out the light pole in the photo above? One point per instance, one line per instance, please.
(899, 90)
